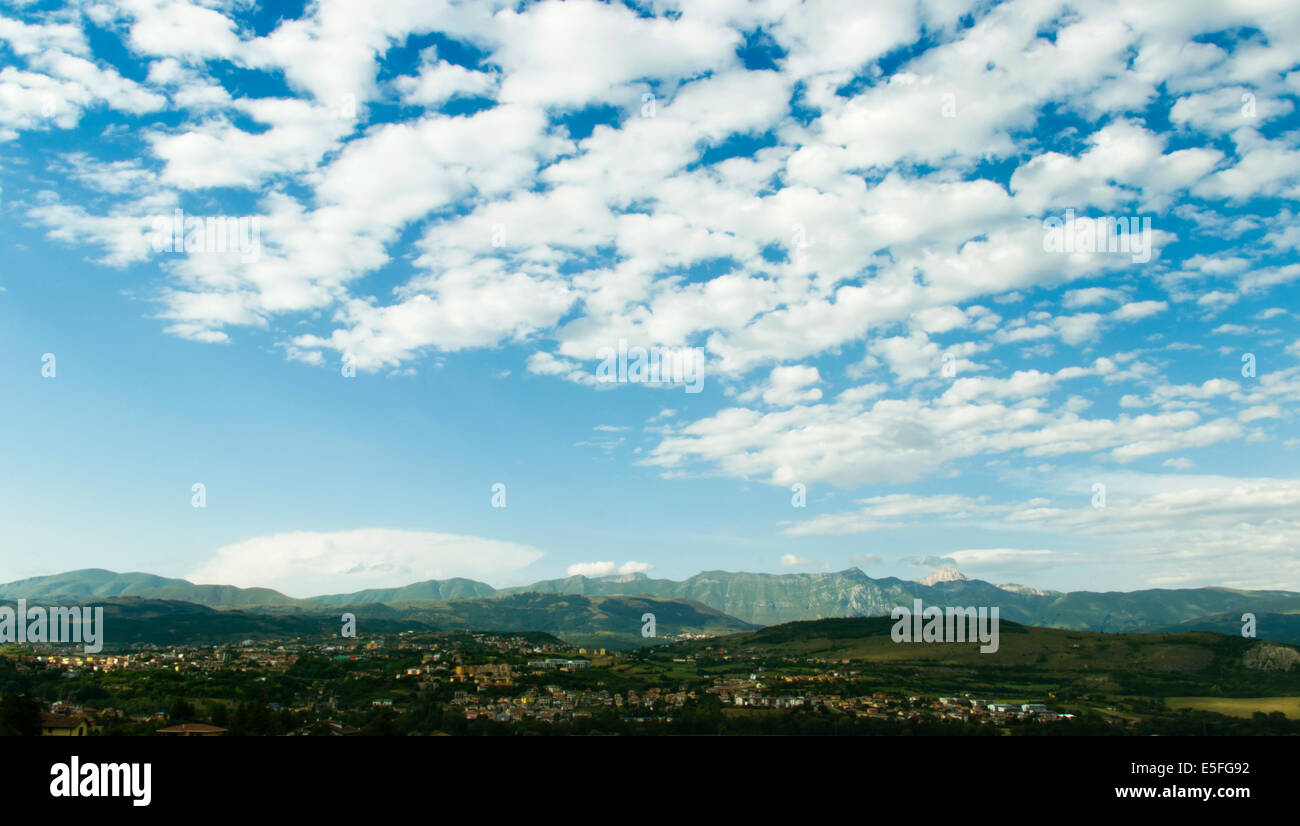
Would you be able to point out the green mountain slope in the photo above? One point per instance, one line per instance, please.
(771, 599)
(611, 622)
(1189, 663)
(129, 620)
(433, 589)
(1276, 627)
(758, 599)
(96, 582)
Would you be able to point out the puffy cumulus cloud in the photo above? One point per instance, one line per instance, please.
(350, 40)
(1175, 396)
(1077, 329)
(1168, 529)
(456, 315)
(915, 356)
(306, 563)
(218, 153)
(778, 184)
(1023, 386)
(1227, 109)
(599, 569)
(787, 386)
(577, 53)
(1181, 502)
(892, 511)
(637, 190)
(1189, 530)
(980, 557)
(61, 80)
(1261, 411)
(1124, 162)
(438, 81)
(33, 38)
(120, 239)
(854, 441)
(839, 36)
(793, 561)
(179, 29)
(1091, 296)
(1263, 167)
(933, 320)
(546, 364)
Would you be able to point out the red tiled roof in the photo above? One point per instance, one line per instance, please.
(185, 728)
(49, 720)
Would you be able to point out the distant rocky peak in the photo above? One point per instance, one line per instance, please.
(946, 574)
(1017, 588)
(621, 577)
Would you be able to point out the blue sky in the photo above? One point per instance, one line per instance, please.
(842, 213)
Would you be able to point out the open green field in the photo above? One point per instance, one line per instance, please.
(1100, 669)
(1239, 707)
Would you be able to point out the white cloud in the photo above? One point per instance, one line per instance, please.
(598, 569)
(305, 563)
(1002, 556)
(787, 386)
(856, 440)
(439, 81)
(1091, 297)
(574, 53)
(892, 511)
(860, 235)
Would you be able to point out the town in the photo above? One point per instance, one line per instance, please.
(452, 683)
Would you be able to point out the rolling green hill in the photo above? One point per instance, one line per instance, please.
(611, 622)
(757, 599)
(1190, 663)
(96, 582)
(433, 589)
(771, 599)
(1275, 627)
(129, 620)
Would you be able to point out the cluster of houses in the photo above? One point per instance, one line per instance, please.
(975, 710)
(176, 659)
(553, 703)
(476, 661)
(65, 719)
(774, 692)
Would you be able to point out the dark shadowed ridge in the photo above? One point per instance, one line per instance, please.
(758, 599)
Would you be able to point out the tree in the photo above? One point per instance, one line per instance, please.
(181, 711)
(20, 715)
(383, 724)
(220, 715)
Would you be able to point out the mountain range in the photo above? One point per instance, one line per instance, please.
(709, 602)
(605, 621)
